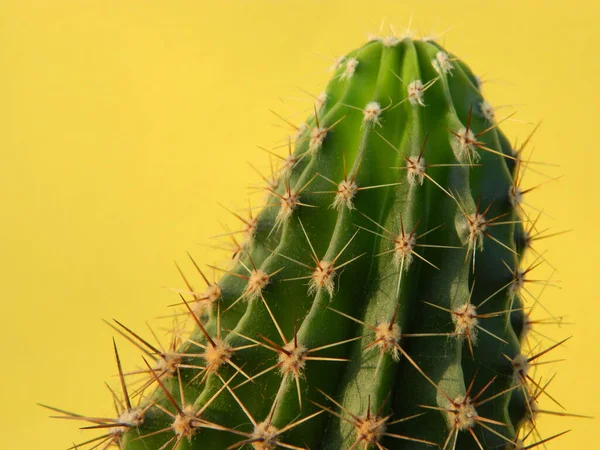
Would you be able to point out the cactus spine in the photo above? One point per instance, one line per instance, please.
(376, 301)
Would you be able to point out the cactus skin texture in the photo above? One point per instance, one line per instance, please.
(376, 300)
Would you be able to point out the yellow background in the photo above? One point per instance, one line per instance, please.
(122, 123)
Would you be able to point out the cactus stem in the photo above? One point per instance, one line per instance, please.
(183, 421)
(289, 201)
(293, 355)
(351, 65)
(265, 435)
(324, 272)
(466, 141)
(217, 353)
(415, 91)
(371, 112)
(442, 63)
(521, 365)
(387, 337)
(416, 169)
(346, 191)
(520, 276)
(404, 243)
(318, 133)
(385, 305)
(462, 413)
(477, 226)
(488, 111)
(290, 161)
(369, 428)
(187, 420)
(466, 321)
(257, 280)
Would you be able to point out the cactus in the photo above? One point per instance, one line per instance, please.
(376, 301)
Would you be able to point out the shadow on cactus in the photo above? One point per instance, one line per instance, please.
(378, 301)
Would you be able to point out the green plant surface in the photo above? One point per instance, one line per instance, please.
(375, 301)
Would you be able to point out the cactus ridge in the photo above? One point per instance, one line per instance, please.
(378, 299)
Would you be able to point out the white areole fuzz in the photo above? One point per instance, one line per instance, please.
(345, 195)
(488, 111)
(477, 225)
(183, 425)
(442, 63)
(390, 41)
(288, 202)
(386, 338)
(515, 195)
(415, 92)
(465, 321)
(415, 170)
(322, 278)
(293, 359)
(403, 249)
(371, 113)
(256, 283)
(264, 436)
(317, 136)
(463, 413)
(216, 355)
(521, 367)
(321, 100)
(350, 69)
(464, 143)
(128, 419)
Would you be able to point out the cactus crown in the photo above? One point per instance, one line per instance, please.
(377, 300)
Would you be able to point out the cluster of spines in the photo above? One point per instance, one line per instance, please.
(209, 359)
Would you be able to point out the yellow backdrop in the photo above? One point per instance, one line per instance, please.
(123, 123)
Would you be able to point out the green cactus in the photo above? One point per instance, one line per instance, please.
(376, 300)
